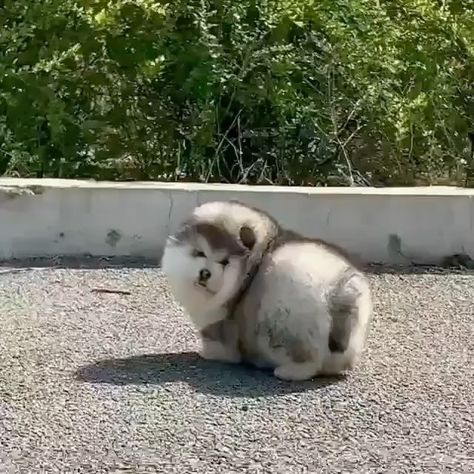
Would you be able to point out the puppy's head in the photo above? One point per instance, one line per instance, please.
(209, 257)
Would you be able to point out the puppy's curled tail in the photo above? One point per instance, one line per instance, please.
(350, 307)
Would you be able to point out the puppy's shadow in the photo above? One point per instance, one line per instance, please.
(207, 377)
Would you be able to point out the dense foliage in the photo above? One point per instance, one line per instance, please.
(259, 91)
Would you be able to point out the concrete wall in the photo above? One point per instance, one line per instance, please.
(57, 217)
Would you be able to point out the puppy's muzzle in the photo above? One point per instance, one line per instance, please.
(204, 275)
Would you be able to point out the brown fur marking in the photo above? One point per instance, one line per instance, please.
(298, 353)
(217, 237)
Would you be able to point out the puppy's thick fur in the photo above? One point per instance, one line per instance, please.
(265, 295)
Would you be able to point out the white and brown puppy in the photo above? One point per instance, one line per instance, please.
(265, 295)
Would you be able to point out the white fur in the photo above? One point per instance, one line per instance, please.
(215, 350)
(182, 270)
(297, 278)
(235, 215)
(289, 296)
(205, 306)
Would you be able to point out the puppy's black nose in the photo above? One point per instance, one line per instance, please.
(204, 274)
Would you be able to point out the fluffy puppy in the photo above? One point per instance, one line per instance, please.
(265, 295)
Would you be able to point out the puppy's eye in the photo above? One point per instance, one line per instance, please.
(198, 253)
(224, 262)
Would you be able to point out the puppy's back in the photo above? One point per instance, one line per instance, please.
(308, 287)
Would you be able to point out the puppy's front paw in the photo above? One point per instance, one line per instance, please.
(215, 350)
(297, 372)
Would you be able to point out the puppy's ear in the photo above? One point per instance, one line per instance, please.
(247, 237)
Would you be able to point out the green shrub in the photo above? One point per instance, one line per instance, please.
(288, 92)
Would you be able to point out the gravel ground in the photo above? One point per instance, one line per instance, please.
(94, 382)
